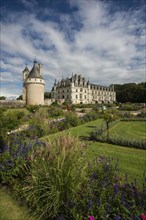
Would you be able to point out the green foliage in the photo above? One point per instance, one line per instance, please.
(15, 156)
(90, 116)
(55, 177)
(11, 209)
(55, 103)
(33, 108)
(9, 121)
(71, 119)
(131, 92)
(56, 182)
(39, 125)
(47, 95)
(20, 97)
(55, 111)
(2, 97)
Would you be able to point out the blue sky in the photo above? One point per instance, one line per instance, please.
(104, 40)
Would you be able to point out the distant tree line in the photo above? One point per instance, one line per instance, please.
(2, 97)
(131, 92)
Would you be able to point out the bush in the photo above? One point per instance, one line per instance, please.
(55, 111)
(90, 116)
(15, 156)
(55, 103)
(55, 178)
(33, 108)
(71, 119)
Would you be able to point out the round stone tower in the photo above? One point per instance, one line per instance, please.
(33, 85)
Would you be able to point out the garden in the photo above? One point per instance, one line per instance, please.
(60, 174)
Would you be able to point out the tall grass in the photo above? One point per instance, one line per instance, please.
(55, 177)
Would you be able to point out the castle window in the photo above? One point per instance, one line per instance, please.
(85, 96)
(35, 79)
(63, 96)
(80, 96)
(76, 96)
(76, 90)
(85, 91)
(67, 96)
(81, 90)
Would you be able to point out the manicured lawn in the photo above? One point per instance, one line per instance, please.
(81, 130)
(131, 161)
(10, 210)
(129, 129)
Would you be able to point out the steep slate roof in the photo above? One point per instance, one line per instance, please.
(35, 73)
(26, 69)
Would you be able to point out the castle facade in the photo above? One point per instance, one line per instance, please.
(77, 90)
(33, 85)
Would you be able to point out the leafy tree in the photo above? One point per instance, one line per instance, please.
(47, 95)
(2, 98)
(20, 97)
(131, 92)
(108, 118)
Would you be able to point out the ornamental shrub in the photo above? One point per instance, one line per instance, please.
(55, 178)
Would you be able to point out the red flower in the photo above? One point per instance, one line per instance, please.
(143, 217)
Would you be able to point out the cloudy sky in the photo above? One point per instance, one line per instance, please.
(104, 40)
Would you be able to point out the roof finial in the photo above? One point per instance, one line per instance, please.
(35, 62)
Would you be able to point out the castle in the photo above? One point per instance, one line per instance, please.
(33, 85)
(75, 90)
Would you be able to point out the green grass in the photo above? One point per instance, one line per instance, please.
(13, 110)
(10, 209)
(129, 130)
(81, 130)
(131, 161)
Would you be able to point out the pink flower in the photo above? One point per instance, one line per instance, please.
(91, 217)
(143, 217)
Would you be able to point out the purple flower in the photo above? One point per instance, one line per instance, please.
(61, 217)
(99, 202)
(116, 188)
(107, 209)
(117, 217)
(89, 205)
(126, 178)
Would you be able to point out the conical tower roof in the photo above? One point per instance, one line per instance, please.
(26, 69)
(35, 73)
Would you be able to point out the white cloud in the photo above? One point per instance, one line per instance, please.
(92, 41)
